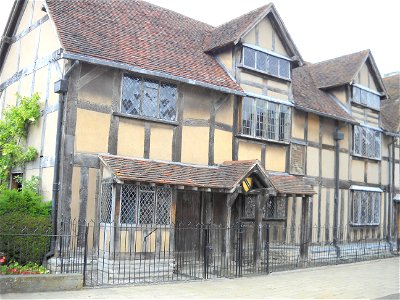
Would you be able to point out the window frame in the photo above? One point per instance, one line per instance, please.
(357, 201)
(365, 134)
(365, 102)
(253, 118)
(269, 55)
(141, 114)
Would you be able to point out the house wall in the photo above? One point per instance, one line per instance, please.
(29, 67)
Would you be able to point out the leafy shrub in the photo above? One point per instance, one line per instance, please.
(14, 268)
(25, 238)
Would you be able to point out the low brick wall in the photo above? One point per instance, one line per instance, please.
(40, 283)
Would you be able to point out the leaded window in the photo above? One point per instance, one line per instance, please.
(142, 204)
(366, 97)
(266, 62)
(365, 208)
(265, 119)
(106, 202)
(148, 98)
(366, 142)
(275, 208)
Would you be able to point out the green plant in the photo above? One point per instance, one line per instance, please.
(13, 131)
(14, 268)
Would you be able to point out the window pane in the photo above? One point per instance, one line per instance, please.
(163, 214)
(364, 97)
(128, 204)
(272, 121)
(364, 208)
(356, 207)
(377, 141)
(131, 91)
(261, 118)
(356, 94)
(363, 141)
(106, 203)
(377, 205)
(249, 59)
(146, 205)
(283, 123)
(262, 61)
(284, 68)
(273, 65)
(357, 140)
(247, 116)
(150, 96)
(168, 94)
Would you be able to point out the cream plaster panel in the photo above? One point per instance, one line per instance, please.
(26, 85)
(384, 148)
(357, 170)
(41, 84)
(372, 85)
(328, 163)
(312, 161)
(76, 178)
(37, 11)
(298, 124)
(366, 76)
(344, 144)
(54, 76)
(28, 45)
(327, 132)
(226, 58)
(35, 134)
(99, 90)
(373, 172)
(26, 18)
(277, 85)
(47, 183)
(197, 103)
(48, 39)
(289, 216)
(11, 95)
(91, 204)
(343, 166)
(298, 202)
(397, 175)
(340, 94)
(225, 112)
(323, 210)
(384, 172)
(249, 151)
(277, 95)
(92, 131)
(30, 173)
(313, 128)
(265, 34)
(250, 37)
(222, 146)
(161, 142)
(251, 89)
(345, 202)
(373, 122)
(250, 77)
(10, 63)
(195, 142)
(397, 152)
(50, 134)
(130, 138)
(279, 48)
(275, 159)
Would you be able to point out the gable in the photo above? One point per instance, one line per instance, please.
(264, 35)
(366, 78)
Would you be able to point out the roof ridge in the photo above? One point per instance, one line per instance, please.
(338, 57)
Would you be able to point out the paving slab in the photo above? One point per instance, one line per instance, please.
(365, 280)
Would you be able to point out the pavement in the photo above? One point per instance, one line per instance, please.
(379, 279)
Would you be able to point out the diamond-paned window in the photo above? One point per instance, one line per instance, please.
(265, 119)
(250, 207)
(366, 142)
(142, 204)
(366, 208)
(275, 208)
(106, 202)
(148, 98)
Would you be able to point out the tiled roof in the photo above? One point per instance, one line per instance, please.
(229, 32)
(309, 97)
(338, 71)
(390, 115)
(392, 84)
(225, 176)
(141, 35)
(290, 184)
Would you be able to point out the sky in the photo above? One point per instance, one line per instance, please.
(321, 29)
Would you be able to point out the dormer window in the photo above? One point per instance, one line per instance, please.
(366, 97)
(266, 62)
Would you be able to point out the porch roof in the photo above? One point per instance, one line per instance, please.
(224, 177)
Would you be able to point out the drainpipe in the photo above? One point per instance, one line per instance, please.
(337, 136)
(61, 88)
(391, 149)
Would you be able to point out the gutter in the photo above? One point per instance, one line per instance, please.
(299, 107)
(61, 88)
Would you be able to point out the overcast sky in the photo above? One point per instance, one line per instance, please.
(321, 29)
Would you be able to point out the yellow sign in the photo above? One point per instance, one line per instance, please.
(247, 184)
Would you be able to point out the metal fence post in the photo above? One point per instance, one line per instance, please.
(85, 253)
(267, 248)
(205, 251)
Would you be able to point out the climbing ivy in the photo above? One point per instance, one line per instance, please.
(13, 131)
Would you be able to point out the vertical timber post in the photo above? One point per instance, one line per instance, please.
(257, 230)
(304, 231)
(116, 221)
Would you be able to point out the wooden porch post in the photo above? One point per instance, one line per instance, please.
(257, 235)
(304, 231)
(230, 200)
(116, 219)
